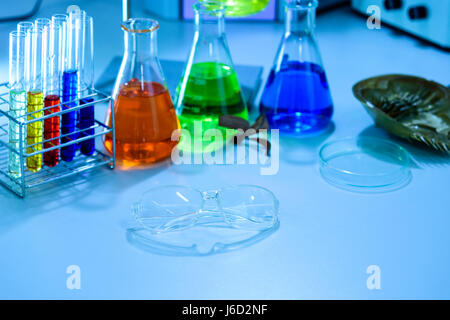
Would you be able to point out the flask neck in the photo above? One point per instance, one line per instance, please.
(300, 20)
(141, 46)
(208, 25)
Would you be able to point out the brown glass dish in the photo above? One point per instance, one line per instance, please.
(409, 107)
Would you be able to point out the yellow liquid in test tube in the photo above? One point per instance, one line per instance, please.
(34, 130)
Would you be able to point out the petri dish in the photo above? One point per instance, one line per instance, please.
(365, 164)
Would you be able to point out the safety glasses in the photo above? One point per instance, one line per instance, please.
(174, 208)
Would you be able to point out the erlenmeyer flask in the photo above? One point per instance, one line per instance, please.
(144, 114)
(296, 99)
(243, 8)
(209, 87)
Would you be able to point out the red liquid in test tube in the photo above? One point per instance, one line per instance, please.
(51, 130)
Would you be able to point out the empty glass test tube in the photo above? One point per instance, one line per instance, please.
(61, 21)
(26, 27)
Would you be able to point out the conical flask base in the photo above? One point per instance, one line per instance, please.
(211, 90)
(297, 99)
(145, 120)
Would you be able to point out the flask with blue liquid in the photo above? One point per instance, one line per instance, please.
(296, 98)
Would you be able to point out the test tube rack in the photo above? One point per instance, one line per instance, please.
(27, 180)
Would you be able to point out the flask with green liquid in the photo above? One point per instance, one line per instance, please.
(243, 8)
(209, 87)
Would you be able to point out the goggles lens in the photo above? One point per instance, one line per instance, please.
(173, 208)
(249, 207)
(168, 208)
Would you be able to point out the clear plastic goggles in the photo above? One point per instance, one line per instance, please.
(175, 208)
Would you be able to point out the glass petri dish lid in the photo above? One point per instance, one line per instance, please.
(365, 164)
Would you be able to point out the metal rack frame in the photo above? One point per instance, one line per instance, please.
(26, 180)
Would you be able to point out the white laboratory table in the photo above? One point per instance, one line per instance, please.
(327, 237)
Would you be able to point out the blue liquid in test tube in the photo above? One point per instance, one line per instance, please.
(69, 119)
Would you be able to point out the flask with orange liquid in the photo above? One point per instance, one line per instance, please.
(144, 114)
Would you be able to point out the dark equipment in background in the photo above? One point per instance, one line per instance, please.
(426, 19)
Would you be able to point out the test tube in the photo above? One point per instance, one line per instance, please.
(26, 27)
(42, 23)
(61, 21)
(52, 94)
(17, 98)
(70, 85)
(35, 102)
(86, 115)
(81, 14)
